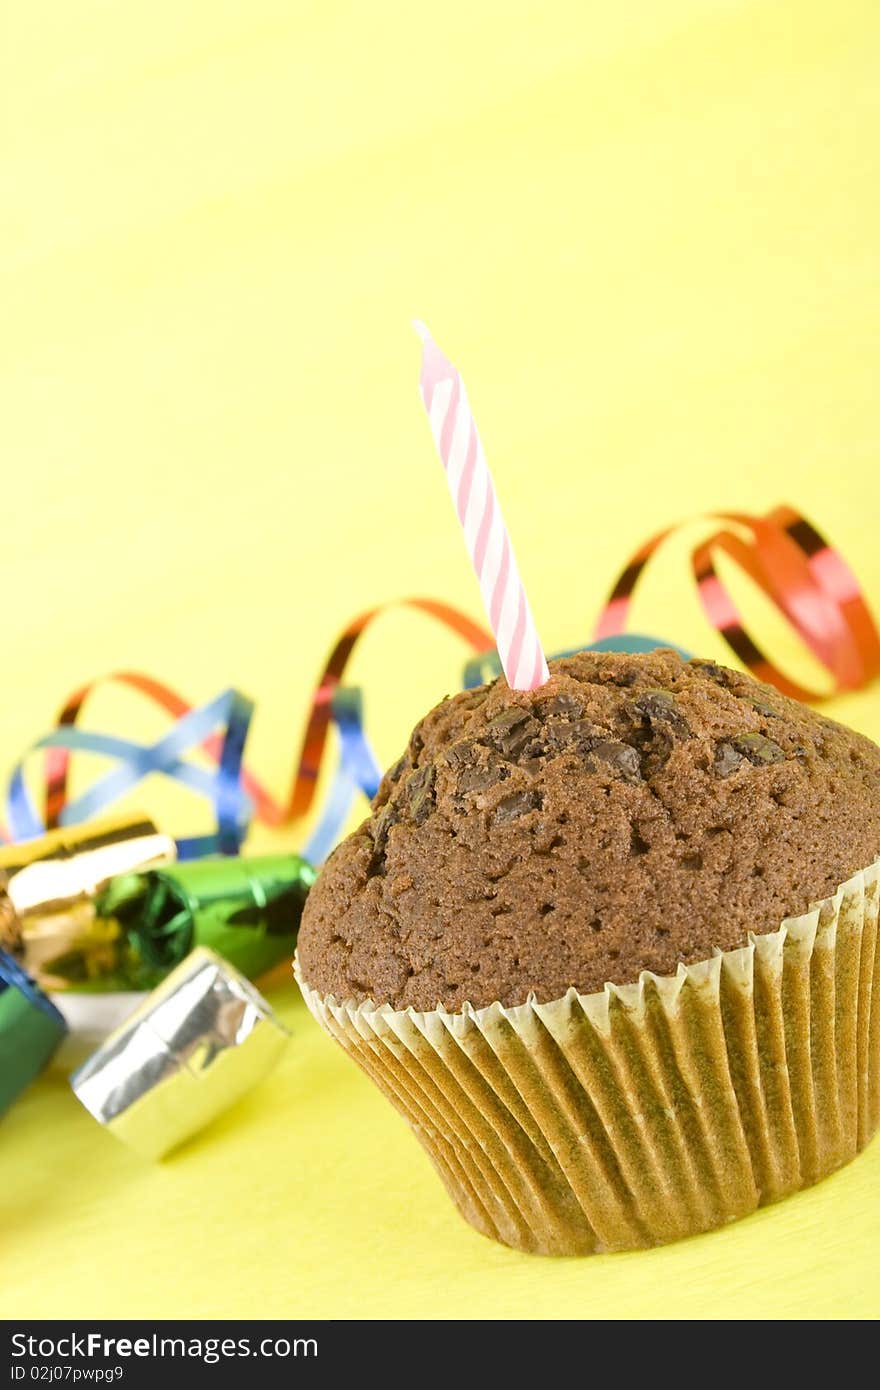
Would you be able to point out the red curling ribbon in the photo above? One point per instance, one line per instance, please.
(798, 570)
(267, 809)
(315, 737)
(788, 559)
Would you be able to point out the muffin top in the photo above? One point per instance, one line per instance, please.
(635, 812)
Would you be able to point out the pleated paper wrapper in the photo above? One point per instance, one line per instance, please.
(646, 1112)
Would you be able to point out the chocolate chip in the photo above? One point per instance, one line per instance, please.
(565, 705)
(389, 816)
(730, 754)
(418, 789)
(562, 735)
(394, 773)
(462, 754)
(512, 730)
(512, 807)
(524, 740)
(621, 756)
(655, 704)
(480, 779)
(692, 861)
(719, 674)
(758, 749)
(658, 707)
(761, 707)
(508, 719)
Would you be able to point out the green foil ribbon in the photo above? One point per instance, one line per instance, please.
(247, 910)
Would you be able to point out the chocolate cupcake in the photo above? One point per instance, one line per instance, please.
(609, 946)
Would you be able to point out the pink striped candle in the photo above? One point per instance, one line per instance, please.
(486, 536)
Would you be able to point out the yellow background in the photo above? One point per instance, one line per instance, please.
(647, 232)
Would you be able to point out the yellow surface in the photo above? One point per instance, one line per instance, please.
(648, 234)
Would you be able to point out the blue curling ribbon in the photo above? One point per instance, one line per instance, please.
(357, 771)
(221, 786)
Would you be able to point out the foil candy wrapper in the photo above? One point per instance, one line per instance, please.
(31, 1028)
(202, 1039)
(105, 908)
(49, 889)
(246, 909)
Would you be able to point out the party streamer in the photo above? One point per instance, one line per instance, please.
(234, 793)
(783, 553)
(224, 788)
(799, 571)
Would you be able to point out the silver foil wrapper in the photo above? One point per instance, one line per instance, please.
(192, 1048)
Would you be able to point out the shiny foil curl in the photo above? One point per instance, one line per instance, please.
(801, 573)
(791, 562)
(220, 729)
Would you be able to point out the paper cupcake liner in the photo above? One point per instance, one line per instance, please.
(646, 1112)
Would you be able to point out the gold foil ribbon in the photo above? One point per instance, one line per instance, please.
(48, 887)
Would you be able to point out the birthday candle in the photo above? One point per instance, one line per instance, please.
(476, 502)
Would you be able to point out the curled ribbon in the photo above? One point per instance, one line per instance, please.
(234, 793)
(782, 553)
(224, 788)
(799, 571)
